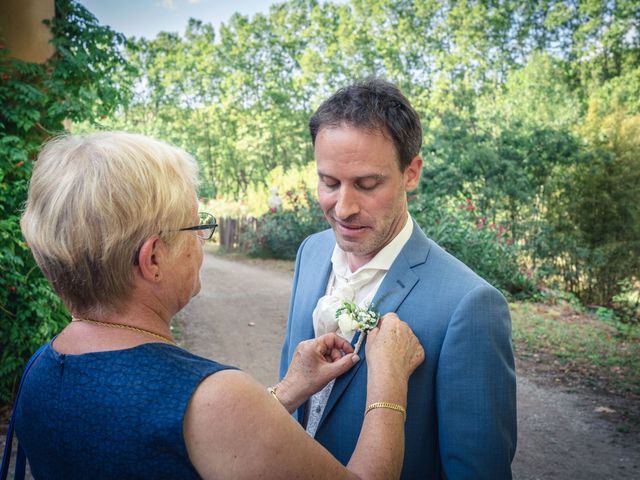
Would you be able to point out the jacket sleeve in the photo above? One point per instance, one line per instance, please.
(476, 389)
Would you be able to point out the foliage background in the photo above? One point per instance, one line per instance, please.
(530, 110)
(84, 80)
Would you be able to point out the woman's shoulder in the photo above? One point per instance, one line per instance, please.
(154, 362)
(179, 356)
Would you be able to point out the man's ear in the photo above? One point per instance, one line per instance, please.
(151, 255)
(412, 174)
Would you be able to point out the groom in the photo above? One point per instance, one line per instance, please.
(461, 408)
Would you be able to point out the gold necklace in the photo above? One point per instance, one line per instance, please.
(157, 336)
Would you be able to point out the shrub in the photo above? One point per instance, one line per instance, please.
(280, 232)
(627, 303)
(482, 245)
(593, 238)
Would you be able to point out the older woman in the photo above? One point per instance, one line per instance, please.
(112, 221)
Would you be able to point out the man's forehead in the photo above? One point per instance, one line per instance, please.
(328, 134)
(365, 129)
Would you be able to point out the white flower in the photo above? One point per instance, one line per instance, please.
(347, 324)
(351, 317)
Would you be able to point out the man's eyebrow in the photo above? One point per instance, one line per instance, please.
(375, 176)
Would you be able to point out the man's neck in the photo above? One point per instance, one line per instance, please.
(356, 261)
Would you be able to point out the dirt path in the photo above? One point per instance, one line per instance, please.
(239, 318)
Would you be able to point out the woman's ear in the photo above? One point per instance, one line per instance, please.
(151, 255)
(412, 174)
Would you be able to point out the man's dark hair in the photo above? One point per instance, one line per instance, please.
(376, 105)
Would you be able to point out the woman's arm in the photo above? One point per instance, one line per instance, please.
(235, 429)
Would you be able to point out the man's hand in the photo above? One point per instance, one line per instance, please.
(315, 363)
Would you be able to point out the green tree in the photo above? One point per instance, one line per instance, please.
(84, 80)
(595, 216)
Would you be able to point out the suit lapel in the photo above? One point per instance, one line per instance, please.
(395, 287)
(400, 279)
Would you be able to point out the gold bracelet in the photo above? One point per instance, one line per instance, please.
(390, 406)
(272, 391)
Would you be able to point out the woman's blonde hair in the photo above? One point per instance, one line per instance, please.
(93, 200)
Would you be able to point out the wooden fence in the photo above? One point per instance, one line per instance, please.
(231, 232)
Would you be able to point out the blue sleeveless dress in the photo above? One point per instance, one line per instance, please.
(110, 415)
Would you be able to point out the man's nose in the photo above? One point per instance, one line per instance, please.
(347, 204)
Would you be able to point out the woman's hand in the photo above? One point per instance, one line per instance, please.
(315, 363)
(392, 348)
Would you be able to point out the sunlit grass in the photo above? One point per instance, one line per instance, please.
(583, 346)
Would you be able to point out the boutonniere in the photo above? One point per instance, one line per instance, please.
(353, 318)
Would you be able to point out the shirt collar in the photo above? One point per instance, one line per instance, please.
(383, 259)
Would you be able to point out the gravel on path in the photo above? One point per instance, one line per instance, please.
(239, 317)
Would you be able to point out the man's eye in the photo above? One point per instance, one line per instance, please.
(329, 182)
(367, 184)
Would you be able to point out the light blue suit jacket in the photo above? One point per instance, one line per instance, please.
(461, 409)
